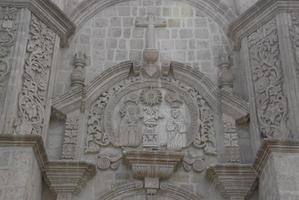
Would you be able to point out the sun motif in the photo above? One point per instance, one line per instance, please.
(151, 97)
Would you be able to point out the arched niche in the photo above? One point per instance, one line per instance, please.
(198, 96)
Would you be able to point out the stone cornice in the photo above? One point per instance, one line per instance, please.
(48, 13)
(270, 146)
(61, 176)
(235, 181)
(259, 14)
(34, 141)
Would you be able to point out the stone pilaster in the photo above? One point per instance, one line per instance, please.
(264, 36)
(34, 30)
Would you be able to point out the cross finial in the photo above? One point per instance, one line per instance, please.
(150, 23)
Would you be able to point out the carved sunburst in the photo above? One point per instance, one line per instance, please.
(151, 97)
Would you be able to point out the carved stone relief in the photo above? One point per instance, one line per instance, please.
(271, 102)
(164, 114)
(32, 98)
(295, 38)
(8, 32)
(231, 140)
(70, 138)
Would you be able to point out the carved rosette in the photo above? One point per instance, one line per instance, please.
(271, 102)
(70, 138)
(8, 32)
(33, 95)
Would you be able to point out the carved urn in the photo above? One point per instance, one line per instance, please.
(152, 166)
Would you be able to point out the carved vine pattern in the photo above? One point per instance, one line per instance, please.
(271, 102)
(8, 32)
(32, 98)
(97, 137)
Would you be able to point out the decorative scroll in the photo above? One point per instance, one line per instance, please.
(8, 32)
(271, 102)
(32, 98)
(70, 138)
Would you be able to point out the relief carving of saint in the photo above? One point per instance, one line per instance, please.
(130, 127)
(176, 126)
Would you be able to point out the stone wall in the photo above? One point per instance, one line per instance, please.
(110, 37)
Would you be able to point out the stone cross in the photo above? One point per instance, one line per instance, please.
(150, 23)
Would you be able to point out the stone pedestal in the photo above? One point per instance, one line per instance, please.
(277, 166)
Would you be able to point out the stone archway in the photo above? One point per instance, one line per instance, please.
(135, 189)
(218, 11)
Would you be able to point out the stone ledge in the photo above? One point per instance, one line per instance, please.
(62, 176)
(49, 13)
(259, 14)
(68, 176)
(234, 181)
(269, 146)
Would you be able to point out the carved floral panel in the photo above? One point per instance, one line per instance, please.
(33, 95)
(271, 102)
(8, 32)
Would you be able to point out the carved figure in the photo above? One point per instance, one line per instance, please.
(176, 130)
(130, 127)
(176, 126)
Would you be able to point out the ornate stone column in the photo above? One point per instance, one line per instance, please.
(31, 33)
(266, 36)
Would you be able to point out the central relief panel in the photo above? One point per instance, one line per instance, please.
(151, 117)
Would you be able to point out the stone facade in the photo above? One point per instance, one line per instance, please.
(149, 99)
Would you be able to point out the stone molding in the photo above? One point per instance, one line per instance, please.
(235, 181)
(231, 104)
(88, 8)
(256, 16)
(48, 13)
(271, 146)
(56, 173)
